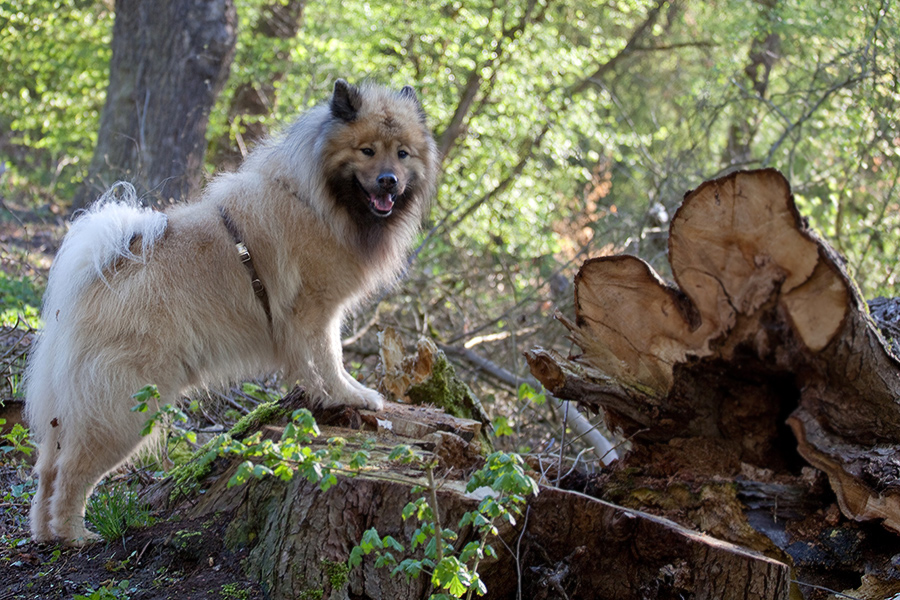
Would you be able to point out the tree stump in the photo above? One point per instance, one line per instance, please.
(763, 325)
(299, 537)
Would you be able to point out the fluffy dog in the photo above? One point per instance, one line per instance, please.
(255, 276)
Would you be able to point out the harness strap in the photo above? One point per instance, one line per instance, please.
(258, 288)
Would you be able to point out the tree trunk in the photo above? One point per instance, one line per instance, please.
(170, 60)
(254, 97)
(763, 325)
(765, 50)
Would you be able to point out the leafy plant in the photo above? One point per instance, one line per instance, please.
(454, 572)
(112, 512)
(110, 591)
(16, 440)
(19, 298)
(502, 426)
(16, 499)
(168, 415)
(288, 456)
(529, 394)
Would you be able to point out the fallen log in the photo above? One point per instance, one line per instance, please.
(762, 324)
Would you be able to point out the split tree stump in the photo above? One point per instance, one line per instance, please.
(763, 325)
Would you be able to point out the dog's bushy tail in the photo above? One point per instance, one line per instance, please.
(97, 238)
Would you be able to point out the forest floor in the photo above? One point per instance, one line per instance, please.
(172, 558)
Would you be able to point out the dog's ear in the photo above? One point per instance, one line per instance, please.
(410, 94)
(346, 101)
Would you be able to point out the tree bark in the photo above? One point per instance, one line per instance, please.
(763, 323)
(170, 60)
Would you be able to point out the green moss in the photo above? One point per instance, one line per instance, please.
(443, 389)
(311, 595)
(265, 413)
(233, 591)
(187, 476)
(188, 545)
(446, 390)
(179, 451)
(336, 572)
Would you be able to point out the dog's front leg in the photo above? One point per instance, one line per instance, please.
(315, 359)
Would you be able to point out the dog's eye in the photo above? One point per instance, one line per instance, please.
(368, 151)
(402, 153)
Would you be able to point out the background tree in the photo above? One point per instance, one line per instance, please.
(169, 62)
(263, 56)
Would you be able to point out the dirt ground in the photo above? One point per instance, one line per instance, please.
(179, 559)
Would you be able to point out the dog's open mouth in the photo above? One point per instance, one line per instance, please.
(381, 204)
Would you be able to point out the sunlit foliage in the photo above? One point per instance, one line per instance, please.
(579, 124)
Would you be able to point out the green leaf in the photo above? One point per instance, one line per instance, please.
(471, 551)
(409, 510)
(529, 394)
(403, 453)
(452, 575)
(356, 557)
(385, 560)
(390, 542)
(409, 567)
(241, 474)
(370, 540)
(502, 426)
(146, 394)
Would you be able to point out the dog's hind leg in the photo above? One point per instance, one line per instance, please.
(39, 516)
(89, 450)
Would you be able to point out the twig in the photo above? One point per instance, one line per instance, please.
(231, 401)
(517, 554)
(438, 530)
(562, 443)
(824, 589)
(583, 428)
(365, 328)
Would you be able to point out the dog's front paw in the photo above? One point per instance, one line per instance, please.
(361, 396)
(355, 394)
(82, 538)
(370, 399)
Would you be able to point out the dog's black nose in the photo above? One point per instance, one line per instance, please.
(387, 181)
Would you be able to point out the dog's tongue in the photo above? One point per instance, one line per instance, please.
(383, 203)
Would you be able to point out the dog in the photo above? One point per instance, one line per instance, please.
(255, 276)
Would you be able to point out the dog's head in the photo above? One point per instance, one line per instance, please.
(380, 158)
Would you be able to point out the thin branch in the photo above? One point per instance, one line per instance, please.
(438, 530)
(849, 82)
(630, 47)
(582, 427)
(451, 134)
(530, 147)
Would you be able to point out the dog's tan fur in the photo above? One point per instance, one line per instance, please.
(137, 297)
